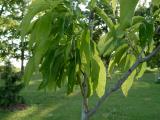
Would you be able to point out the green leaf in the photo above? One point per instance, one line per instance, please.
(137, 19)
(46, 68)
(104, 17)
(127, 8)
(85, 52)
(112, 46)
(142, 70)
(98, 71)
(109, 46)
(111, 66)
(102, 42)
(149, 31)
(92, 4)
(129, 61)
(105, 43)
(119, 52)
(29, 69)
(42, 38)
(128, 83)
(36, 7)
(71, 77)
(142, 35)
(146, 30)
(55, 68)
(117, 58)
(98, 75)
(122, 62)
(114, 5)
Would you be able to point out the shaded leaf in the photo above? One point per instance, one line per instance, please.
(127, 8)
(36, 7)
(29, 69)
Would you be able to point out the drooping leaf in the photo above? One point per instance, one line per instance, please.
(142, 70)
(111, 66)
(99, 75)
(127, 8)
(55, 69)
(137, 19)
(129, 61)
(106, 44)
(29, 69)
(119, 52)
(117, 58)
(43, 38)
(113, 46)
(45, 69)
(104, 17)
(149, 31)
(102, 42)
(128, 83)
(36, 7)
(114, 5)
(122, 62)
(146, 33)
(71, 77)
(85, 52)
(142, 35)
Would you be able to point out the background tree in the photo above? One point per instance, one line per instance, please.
(11, 14)
(65, 53)
(11, 46)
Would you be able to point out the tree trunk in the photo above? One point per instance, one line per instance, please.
(22, 58)
(84, 115)
(85, 109)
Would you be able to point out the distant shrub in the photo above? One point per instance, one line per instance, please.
(12, 85)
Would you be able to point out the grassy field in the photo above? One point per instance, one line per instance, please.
(142, 103)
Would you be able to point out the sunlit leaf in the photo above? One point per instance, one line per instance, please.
(114, 5)
(142, 70)
(99, 74)
(128, 83)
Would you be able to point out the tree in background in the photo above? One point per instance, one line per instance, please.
(146, 12)
(64, 52)
(11, 46)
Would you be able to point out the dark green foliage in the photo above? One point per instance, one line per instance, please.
(9, 92)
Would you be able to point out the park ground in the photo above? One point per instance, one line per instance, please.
(142, 103)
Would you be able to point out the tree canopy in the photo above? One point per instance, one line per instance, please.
(64, 52)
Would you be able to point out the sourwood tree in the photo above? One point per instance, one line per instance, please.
(64, 52)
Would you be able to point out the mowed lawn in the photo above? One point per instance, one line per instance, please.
(142, 103)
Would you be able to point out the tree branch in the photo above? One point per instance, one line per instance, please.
(123, 79)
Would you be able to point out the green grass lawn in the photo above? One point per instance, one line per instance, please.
(142, 103)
